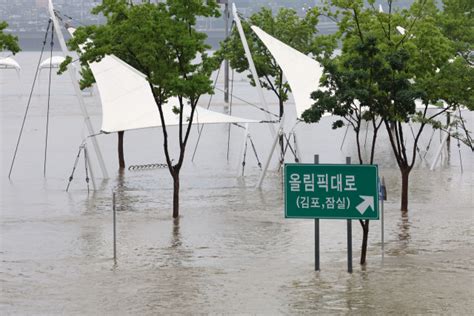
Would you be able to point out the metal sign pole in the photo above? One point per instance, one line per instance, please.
(383, 197)
(115, 226)
(349, 235)
(316, 233)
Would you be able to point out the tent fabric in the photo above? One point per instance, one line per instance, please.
(55, 61)
(302, 72)
(128, 102)
(9, 63)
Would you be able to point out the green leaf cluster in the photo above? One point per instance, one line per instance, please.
(7, 41)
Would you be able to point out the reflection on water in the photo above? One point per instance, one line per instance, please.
(231, 251)
(404, 228)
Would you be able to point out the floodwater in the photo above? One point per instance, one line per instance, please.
(231, 251)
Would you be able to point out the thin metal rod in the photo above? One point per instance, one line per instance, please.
(29, 100)
(440, 149)
(230, 113)
(71, 177)
(226, 62)
(202, 125)
(382, 218)
(49, 100)
(270, 155)
(349, 235)
(244, 146)
(344, 139)
(86, 169)
(429, 143)
(349, 246)
(115, 226)
(317, 266)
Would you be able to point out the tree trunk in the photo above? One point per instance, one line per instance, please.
(176, 195)
(405, 174)
(365, 237)
(120, 150)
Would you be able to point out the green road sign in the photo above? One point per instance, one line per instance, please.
(331, 191)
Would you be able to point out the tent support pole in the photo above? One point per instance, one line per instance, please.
(78, 93)
(440, 150)
(240, 166)
(270, 155)
(298, 151)
(248, 55)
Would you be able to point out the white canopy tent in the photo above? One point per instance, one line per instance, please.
(53, 62)
(128, 102)
(9, 63)
(302, 73)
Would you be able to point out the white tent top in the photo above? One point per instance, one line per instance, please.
(9, 63)
(128, 102)
(302, 72)
(55, 61)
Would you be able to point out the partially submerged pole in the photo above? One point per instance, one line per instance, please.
(349, 235)
(252, 68)
(316, 233)
(78, 92)
(115, 226)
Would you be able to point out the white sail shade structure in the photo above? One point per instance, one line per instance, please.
(53, 62)
(128, 102)
(9, 63)
(302, 72)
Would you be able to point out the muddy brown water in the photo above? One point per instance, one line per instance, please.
(231, 251)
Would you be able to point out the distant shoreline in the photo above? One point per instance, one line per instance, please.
(33, 41)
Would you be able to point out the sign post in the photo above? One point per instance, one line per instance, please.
(331, 191)
(349, 235)
(316, 231)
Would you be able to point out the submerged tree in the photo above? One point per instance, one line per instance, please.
(158, 39)
(8, 41)
(388, 61)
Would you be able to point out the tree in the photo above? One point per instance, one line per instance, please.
(158, 39)
(381, 72)
(8, 41)
(351, 93)
(457, 23)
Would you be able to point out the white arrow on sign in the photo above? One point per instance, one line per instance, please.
(367, 201)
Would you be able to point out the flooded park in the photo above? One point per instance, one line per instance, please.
(231, 250)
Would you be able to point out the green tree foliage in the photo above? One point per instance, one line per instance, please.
(7, 41)
(158, 39)
(386, 70)
(457, 22)
(382, 70)
(288, 27)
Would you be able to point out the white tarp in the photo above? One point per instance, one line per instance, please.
(9, 63)
(128, 102)
(54, 62)
(302, 72)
